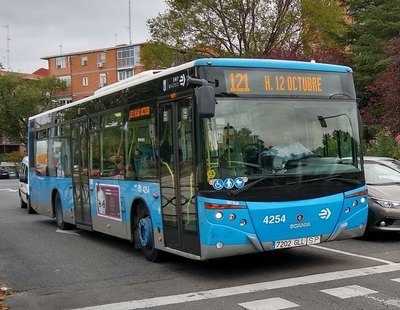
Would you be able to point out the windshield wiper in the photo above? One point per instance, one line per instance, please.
(250, 185)
(328, 178)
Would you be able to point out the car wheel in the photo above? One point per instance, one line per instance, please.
(23, 203)
(146, 236)
(30, 209)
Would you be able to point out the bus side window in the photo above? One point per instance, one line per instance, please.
(41, 157)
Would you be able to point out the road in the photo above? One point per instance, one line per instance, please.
(50, 269)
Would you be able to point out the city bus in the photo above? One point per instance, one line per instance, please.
(195, 160)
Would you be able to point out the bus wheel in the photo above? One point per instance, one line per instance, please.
(146, 236)
(59, 214)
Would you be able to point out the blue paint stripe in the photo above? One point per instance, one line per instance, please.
(270, 64)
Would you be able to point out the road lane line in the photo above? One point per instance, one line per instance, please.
(8, 190)
(69, 232)
(350, 291)
(269, 304)
(245, 289)
(355, 255)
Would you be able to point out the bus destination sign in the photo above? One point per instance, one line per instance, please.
(263, 82)
(139, 112)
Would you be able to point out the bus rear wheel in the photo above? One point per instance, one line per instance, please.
(144, 231)
(59, 213)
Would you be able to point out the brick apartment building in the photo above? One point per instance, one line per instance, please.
(86, 71)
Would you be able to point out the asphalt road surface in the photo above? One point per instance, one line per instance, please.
(50, 269)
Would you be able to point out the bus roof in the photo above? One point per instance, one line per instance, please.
(209, 62)
(270, 64)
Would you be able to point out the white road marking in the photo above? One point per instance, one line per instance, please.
(245, 289)
(269, 304)
(8, 190)
(352, 254)
(396, 280)
(348, 291)
(68, 232)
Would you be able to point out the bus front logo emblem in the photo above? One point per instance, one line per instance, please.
(300, 217)
(325, 214)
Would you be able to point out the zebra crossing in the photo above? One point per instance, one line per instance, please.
(341, 292)
(276, 303)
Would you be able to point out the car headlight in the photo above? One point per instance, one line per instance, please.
(387, 203)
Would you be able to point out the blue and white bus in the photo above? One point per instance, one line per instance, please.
(213, 158)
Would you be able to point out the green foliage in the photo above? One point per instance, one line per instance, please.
(156, 55)
(257, 28)
(21, 98)
(375, 23)
(384, 144)
(323, 23)
(13, 157)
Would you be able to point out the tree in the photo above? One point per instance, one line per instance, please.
(157, 55)
(21, 98)
(375, 23)
(251, 28)
(384, 105)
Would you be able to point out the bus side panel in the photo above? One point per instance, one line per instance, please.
(111, 203)
(41, 195)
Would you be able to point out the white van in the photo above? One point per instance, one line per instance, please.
(24, 186)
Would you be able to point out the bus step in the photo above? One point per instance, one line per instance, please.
(84, 226)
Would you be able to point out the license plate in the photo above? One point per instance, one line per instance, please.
(291, 243)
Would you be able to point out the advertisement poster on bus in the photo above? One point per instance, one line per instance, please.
(108, 201)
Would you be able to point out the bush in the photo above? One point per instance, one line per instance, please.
(13, 157)
(385, 143)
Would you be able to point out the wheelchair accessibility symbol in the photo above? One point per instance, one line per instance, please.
(218, 184)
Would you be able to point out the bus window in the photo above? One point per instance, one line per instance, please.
(41, 157)
(112, 149)
(140, 139)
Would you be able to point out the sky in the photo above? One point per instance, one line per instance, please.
(40, 28)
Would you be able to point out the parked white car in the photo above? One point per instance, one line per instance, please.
(24, 185)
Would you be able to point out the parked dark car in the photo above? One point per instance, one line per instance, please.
(4, 173)
(383, 179)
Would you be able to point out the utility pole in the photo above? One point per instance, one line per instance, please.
(130, 23)
(8, 46)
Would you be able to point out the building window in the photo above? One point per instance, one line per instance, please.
(126, 57)
(137, 56)
(64, 101)
(124, 74)
(101, 57)
(103, 80)
(84, 61)
(66, 79)
(85, 81)
(61, 62)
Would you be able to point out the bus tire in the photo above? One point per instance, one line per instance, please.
(59, 214)
(144, 231)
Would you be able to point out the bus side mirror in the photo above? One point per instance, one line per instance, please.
(205, 98)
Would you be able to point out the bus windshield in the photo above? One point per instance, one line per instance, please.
(252, 138)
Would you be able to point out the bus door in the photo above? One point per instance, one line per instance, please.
(80, 178)
(180, 219)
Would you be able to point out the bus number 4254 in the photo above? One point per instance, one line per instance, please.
(274, 219)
